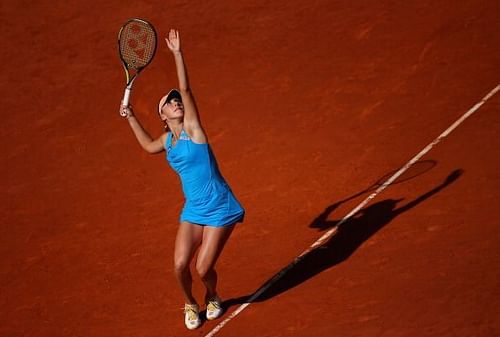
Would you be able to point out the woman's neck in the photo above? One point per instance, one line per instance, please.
(176, 128)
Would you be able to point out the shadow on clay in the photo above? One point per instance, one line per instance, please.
(349, 236)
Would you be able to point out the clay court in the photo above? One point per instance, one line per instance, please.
(306, 105)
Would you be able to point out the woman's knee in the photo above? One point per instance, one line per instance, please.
(203, 269)
(181, 264)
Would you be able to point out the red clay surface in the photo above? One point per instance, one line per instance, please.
(306, 103)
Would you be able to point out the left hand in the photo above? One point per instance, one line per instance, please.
(126, 111)
(173, 41)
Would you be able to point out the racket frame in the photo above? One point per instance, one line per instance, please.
(126, 67)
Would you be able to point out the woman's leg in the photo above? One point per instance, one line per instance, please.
(214, 239)
(188, 239)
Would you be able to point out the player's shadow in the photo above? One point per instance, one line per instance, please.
(349, 236)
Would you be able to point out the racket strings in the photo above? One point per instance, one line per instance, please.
(137, 44)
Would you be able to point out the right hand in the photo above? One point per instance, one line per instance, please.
(126, 111)
(173, 41)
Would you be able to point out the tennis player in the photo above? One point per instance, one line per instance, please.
(211, 210)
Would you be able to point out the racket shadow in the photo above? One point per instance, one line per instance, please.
(342, 245)
(417, 169)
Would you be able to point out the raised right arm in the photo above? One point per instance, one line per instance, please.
(149, 144)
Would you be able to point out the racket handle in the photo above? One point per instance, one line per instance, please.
(128, 89)
(126, 96)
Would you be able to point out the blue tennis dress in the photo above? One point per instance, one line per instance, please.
(209, 199)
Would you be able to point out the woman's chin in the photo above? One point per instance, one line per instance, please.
(177, 117)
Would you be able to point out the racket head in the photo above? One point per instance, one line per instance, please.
(137, 41)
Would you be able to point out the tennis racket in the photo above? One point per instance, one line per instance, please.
(136, 47)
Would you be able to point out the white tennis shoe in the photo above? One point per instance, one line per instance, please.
(192, 316)
(214, 308)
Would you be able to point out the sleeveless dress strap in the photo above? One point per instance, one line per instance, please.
(184, 135)
(168, 142)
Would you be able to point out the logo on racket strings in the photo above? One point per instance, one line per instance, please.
(138, 41)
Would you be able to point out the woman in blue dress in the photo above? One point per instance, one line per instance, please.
(211, 210)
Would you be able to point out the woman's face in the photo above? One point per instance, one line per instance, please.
(174, 109)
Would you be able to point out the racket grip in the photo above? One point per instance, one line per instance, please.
(126, 96)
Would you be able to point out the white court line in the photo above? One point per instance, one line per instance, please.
(333, 231)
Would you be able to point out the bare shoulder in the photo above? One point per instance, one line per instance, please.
(163, 138)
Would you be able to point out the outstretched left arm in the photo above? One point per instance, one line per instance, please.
(192, 123)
